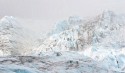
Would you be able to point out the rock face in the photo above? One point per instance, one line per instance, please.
(14, 40)
(104, 31)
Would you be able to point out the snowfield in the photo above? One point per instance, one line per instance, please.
(75, 45)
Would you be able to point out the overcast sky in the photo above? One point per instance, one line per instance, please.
(41, 14)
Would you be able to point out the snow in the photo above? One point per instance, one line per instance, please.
(101, 38)
(66, 24)
(98, 33)
(75, 45)
(14, 39)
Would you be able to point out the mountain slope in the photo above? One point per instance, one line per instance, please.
(101, 38)
(76, 45)
(101, 31)
(14, 39)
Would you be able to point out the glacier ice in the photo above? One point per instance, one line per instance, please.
(101, 38)
(75, 45)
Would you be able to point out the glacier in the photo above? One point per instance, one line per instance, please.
(75, 45)
(101, 38)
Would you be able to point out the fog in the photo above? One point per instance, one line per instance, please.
(40, 15)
